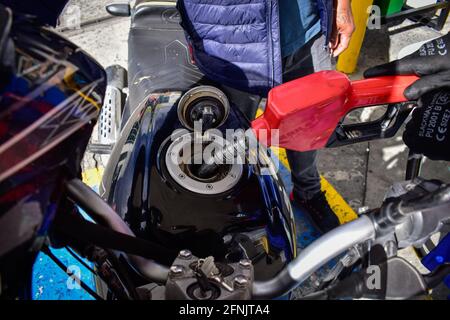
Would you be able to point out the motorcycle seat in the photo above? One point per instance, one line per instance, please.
(159, 57)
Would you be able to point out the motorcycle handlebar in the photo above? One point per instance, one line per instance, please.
(315, 256)
(434, 199)
(342, 238)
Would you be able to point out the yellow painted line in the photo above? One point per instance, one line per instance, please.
(340, 207)
(348, 60)
(93, 177)
(68, 78)
(265, 244)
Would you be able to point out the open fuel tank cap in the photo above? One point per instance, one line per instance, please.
(204, 103)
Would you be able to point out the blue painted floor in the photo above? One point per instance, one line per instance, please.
(51, 283)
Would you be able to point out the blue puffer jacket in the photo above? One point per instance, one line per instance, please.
(237, 42)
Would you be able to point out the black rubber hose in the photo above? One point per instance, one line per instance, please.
(433, 199)
(75, 228)
(104, 215)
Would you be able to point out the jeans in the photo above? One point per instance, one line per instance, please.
(312, 57)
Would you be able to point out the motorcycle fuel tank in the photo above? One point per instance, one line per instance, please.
(236, 211)
(210, 215)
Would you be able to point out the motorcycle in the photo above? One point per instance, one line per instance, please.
(164, 226)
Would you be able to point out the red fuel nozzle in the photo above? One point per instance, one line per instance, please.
(306, 111)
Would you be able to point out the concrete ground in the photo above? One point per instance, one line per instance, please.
(362, 172)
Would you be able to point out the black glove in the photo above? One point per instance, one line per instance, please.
(431, 62)
(428, 132)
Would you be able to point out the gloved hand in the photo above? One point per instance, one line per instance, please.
(431, 63)
(428, 132)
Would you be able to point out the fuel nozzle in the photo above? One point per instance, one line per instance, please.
(303, 114)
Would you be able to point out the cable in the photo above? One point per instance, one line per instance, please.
(63, 267)
(367, 158)
(76, 256)
(124, 277)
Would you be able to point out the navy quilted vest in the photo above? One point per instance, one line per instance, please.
(237, 42)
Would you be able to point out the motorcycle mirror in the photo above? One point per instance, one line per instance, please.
(307, 111)
(119, 9)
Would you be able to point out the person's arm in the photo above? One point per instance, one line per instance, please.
(343, 27)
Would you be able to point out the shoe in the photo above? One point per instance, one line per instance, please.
(319, 211)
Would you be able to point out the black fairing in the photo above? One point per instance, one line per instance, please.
(255, 217)
(49, 103)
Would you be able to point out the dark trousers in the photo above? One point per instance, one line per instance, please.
(312, 57)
